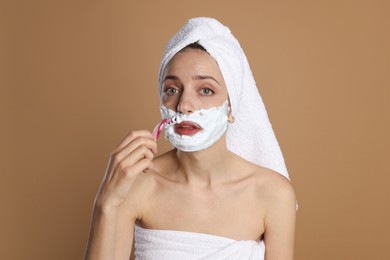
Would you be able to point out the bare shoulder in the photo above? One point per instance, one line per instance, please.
(269, 185)
(279, 200)
(274, 188)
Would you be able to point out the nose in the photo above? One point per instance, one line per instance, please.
(186, 104)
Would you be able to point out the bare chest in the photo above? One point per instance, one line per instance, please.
(233, 212)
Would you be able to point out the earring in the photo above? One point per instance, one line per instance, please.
(230, 116)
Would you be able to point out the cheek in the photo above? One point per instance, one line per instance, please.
(169, 101)
(225, 94)
(215, 100)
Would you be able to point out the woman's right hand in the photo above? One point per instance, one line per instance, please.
(130, 158)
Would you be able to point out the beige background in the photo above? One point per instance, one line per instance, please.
(77, 76)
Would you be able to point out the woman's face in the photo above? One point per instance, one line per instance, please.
(193, 81)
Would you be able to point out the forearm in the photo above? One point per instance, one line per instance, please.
(131, 157)
(101, 241)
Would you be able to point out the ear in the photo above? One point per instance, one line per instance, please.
(230, 114)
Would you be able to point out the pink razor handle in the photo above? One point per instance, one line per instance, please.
(157, 130)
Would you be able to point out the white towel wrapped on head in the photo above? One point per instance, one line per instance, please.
(251, 135)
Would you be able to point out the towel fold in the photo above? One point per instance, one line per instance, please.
(171, 244)
(251, 135)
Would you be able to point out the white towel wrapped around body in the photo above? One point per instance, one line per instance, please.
(172, 245)
(251, 135)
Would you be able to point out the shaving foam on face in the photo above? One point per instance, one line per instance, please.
(213, 123)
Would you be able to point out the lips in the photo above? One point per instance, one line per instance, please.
(187, 128)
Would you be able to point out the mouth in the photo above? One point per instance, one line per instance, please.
(187, 128)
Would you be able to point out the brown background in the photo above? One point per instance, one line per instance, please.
(77, 76)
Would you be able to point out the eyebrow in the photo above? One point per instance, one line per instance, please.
(171, 77)
(196, 77)
(201, 77)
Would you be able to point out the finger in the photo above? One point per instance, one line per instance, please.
(150, 143)
(123, 181)
(130, 172)
(140, 153)
(139, 141)
(142, 165)
(131, 136)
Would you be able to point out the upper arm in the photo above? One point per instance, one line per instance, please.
(124, 236)
(129, 213)
(280, 217)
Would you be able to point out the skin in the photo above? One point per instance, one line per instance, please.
(211, 191)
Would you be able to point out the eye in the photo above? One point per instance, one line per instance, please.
(171, 91)
(207, 91)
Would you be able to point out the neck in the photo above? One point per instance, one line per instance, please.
(204, 168)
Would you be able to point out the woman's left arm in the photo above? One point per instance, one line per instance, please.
(279, 234)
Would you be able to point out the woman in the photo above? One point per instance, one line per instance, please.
(223, 191)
